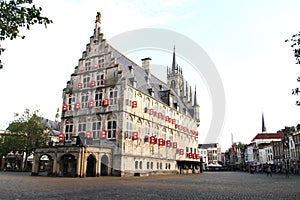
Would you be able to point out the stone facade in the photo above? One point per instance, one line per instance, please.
(119, 119)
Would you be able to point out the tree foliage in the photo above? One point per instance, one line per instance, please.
(17, 14)
(24, 134)
(295, 44)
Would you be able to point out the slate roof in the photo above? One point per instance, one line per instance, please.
(268, 136)
(206, 146)
(140, 76)
(52, 125)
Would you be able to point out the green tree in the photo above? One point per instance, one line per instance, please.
(25, 133)
(18, 14)
(295, 44)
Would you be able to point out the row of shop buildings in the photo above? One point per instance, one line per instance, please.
(279, 150)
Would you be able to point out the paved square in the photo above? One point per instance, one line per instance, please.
(209, 185)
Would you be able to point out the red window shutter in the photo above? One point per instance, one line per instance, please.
(105, 102)
(168, 143)
(173, 121)
(65, 107)
(92, 103)
(151, 111)
(159, 115)
(77, 106)
(175, 145)
(161, 142)
(135, 136)
(61, 137)
(152, 140)
(79, 85)
(181, 151)
(88, 134)
(134, 104)
(103, 134)
(167, 118)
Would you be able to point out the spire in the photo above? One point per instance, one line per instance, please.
(191, 96)
(57, 116)
(174, 61)
(195, 98)
(263, 126)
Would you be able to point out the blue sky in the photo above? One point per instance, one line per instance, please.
(244, 39)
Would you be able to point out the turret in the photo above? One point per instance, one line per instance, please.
(196, 108)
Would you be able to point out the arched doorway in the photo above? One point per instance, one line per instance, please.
(104, 165)
(68, 165)
(45, 165)
(91, 166)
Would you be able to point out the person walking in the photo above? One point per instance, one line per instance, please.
(269, 171)
(287, 172)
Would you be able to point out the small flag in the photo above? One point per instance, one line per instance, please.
(263, 127)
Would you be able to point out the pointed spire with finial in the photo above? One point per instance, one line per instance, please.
(195, 97)
(174, 60)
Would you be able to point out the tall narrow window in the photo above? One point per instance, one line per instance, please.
(113, 94)
(82, 127)
(71, 102)
(84, 100)
(101, 62)
(128, 134)
(87, 65)
(96, 129)
(111, 129)
(100, 79)
(98, 98)
(68, 131)
(86, 81)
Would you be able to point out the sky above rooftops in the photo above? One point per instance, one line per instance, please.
(244, 39)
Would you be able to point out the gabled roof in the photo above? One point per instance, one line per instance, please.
(268, 136)
(52, 125)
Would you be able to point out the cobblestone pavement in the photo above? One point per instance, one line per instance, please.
(209, 185)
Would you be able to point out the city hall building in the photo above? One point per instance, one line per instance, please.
(119, 119)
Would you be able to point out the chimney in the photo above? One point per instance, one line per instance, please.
(146, 65)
